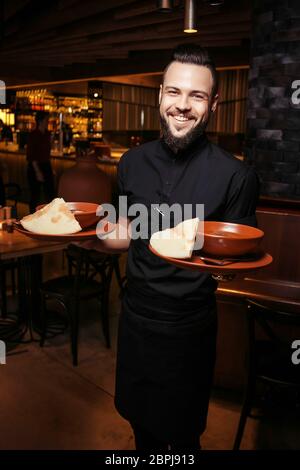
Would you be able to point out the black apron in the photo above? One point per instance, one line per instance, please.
(165, 364)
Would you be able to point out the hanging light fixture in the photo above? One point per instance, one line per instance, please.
(165, 6)
(190, 17)
(214, 3)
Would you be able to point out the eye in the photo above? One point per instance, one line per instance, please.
(172, 92)
(199, 97)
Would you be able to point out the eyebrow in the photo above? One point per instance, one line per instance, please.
(193, 91)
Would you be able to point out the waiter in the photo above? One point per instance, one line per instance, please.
(39, 169)
(168, 323)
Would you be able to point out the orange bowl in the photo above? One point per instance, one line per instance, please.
(84, 212)
(228, 239)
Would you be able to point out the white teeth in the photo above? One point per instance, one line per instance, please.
(180, 118)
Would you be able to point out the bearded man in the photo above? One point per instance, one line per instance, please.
(168, 324)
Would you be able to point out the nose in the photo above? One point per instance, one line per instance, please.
(183, 103)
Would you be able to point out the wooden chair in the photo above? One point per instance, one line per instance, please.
(90, 274)
(269, 360)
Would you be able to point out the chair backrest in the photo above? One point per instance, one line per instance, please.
(76, 263)
(279, 328)
(99, 264)
(275, 312)
(268, 315)
(88, 264)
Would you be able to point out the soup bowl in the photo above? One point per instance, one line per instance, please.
(229, 239)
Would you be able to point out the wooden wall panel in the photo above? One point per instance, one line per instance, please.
(230, 116)
(123, 105)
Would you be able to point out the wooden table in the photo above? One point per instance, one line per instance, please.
(27, 252)
(16, 245)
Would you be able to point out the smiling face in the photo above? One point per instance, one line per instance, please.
(186, 102)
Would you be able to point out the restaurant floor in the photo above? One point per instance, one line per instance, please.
(46, 403)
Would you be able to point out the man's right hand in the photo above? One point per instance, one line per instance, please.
(114, 242)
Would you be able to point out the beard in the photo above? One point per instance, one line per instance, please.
(178, 144)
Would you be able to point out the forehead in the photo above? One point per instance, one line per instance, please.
(188, 77)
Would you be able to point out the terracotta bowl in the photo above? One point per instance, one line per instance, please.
(227, 239)
(84, 212)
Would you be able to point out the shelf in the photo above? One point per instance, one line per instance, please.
(82, 114)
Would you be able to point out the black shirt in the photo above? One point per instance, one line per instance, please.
(202, 174)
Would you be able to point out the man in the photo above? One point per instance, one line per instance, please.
(5, 132)
(39, 170)
(168, 323)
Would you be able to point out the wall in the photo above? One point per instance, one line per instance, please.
(230, 117)
(129, 108)
(273, 137)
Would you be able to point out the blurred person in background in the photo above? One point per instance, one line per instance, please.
(39, 170)
(6, 134)
(67, 134)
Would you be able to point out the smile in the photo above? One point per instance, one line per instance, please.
(180, 118)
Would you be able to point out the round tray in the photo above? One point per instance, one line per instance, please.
(86, 234)
(196, 264)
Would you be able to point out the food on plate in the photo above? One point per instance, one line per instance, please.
(177, 242)
(53, 219)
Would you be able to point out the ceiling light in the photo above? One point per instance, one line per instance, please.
(214, 3)
(165, 6)
(190, 17)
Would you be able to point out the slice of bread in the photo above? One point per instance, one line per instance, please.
(53, 219)
(177, 242)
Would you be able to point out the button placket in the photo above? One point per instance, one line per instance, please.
(169, 182)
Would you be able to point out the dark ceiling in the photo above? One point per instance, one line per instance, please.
(67, 39)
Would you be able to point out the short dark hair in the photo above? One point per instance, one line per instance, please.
(196, 55)
(40, 116)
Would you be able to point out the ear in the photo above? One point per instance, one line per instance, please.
(160, 94)
(214, 103)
